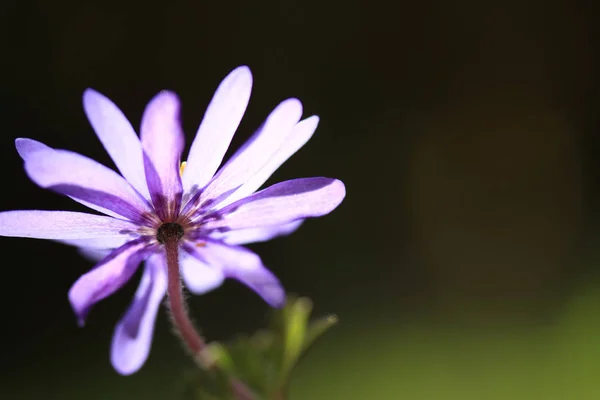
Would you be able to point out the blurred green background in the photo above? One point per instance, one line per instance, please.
(463, 262)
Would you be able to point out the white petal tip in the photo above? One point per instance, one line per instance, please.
(334, 195)
(123, 367)
(92, 98)
(242, 69)
(26, 146)
(125, 362)
(239, 80)
(292, 102)
(339, 188)
(90, 92)
(166, 101)
(313, 119)
(290, 108)
(240, 74)
(307, 126)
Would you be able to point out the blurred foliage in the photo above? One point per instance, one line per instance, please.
(263, 361)
(556, 359)
(423, 360)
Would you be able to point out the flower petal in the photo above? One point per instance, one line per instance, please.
(257, 151)
(133, 335)
(82, 179)
(162, 141)
(26, 146)
(245, 266)
(106, 278)
(93, 254)
(198, 276)
(282, 203)
(301, 133)
(62, 225)
(118, 138)
(245, 236)
(110, 243)
(220, 122)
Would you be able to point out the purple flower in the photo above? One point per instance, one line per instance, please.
(213, 210)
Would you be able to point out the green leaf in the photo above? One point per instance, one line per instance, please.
(263, 361)
(317, 328)
(296, 320)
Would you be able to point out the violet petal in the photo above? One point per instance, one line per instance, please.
(94, 254)
(218, 126)
(162, 141)
(282, 203)
(245, 266)
(106, 278)
(26, 146)
(112, 242)
(245, 236)
(132, 338)
(118, 138)
(62, 225)
(300, 134)
(198, 276)
(81, 178)
(256, 151)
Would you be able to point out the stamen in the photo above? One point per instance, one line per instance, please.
(182, 167)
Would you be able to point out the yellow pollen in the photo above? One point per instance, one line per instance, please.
(182, 167)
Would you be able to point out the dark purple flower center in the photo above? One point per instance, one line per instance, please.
(169, 230)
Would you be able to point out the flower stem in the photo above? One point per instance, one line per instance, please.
(169, 237)
(181, 319)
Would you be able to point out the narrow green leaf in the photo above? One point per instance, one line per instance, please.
(317, 328)
(296, 320)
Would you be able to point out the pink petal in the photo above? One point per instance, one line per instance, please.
(118, 138)
(220, 122)
(133, 335)
(282, 203)
(62, 225)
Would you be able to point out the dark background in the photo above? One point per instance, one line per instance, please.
(463, 261)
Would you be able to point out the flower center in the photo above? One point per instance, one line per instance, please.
(169, 230)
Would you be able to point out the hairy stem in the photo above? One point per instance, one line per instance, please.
(169, 237)
(181, 319)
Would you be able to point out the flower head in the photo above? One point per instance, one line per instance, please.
(209, 211)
